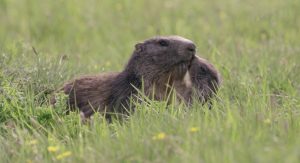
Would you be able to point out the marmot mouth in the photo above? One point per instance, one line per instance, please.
(189, 60)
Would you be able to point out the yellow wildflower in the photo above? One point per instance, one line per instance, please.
(194, 129)
(267, 121)
(53, 148)
(63, 155)
(159, 136)
(28, 161)
(95, 67)
(223, 15)
(107, 64)
(32, 142)
(119, 7)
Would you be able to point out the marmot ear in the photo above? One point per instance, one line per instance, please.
(139, 47)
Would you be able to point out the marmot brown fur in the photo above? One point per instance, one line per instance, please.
(201, 82)
(156, 65)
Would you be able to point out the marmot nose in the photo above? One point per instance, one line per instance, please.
(191, 48)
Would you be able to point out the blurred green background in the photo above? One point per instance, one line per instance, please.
(97, 33)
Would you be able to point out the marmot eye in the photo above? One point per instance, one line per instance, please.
(163, 43)
(202, 69)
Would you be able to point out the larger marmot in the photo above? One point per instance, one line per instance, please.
(156, 65)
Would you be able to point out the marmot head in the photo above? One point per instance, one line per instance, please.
(162, 56)
(205, 78)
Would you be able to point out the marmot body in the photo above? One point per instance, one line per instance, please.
(156, 63)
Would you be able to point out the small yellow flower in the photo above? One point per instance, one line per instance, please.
(53, 148)
(63, 155)
(223, 16)
(119, 7)
(194, 129)
(107, 64)
(28, 161)
(159, 136)
(267, 121)
(32, 142)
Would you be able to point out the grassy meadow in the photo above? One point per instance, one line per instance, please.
(254, 44)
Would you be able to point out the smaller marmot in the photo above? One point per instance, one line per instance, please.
(156, 65)
(201, 82)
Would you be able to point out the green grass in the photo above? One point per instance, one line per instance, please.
(254, 44)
